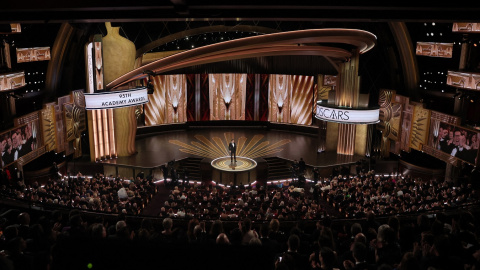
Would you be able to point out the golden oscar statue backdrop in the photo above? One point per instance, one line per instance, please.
(168, 103)
(279, 96)
(227, 94)
(118, 59)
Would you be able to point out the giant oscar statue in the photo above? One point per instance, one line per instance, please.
(118, 59)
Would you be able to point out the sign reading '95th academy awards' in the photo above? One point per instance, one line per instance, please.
(347, 116)
(116, 99)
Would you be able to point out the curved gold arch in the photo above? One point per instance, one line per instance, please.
(285, 43)
(201, 30)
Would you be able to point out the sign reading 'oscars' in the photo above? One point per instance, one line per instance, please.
(347, 116)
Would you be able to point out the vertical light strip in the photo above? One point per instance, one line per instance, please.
(348, 84)
(100, 133)
(106, 143)
(113, 150)
(94, 135)
(346, 139)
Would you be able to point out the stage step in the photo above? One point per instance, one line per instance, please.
(192, 164)
(278, 168)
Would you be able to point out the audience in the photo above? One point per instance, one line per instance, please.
(273, 220)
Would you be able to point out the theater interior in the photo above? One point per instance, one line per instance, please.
(355, 131)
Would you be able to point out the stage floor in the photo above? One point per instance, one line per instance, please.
(253, 142)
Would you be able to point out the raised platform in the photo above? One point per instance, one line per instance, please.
(254, 142)
(241, 164)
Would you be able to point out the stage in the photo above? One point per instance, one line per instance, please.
(210, 143)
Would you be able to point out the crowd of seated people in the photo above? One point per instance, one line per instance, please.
(356, 195)
(56, 240)
(97, 193)
(285, 202)
(350, 196)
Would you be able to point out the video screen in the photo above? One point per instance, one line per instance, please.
(227, 96)
(457, 142)
(18, 142)
(287, 105)
(168, 103)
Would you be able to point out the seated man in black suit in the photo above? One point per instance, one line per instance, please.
(232, 147)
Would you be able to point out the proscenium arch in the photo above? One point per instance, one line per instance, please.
(255, 46)
(203, 30)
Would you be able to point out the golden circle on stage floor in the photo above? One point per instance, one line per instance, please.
(241, 165)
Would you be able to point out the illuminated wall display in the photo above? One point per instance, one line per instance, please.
(89, 64)
(347, 116)
(12, 81)
(33, 54)
(435, 49)
(116, 99)
(16, 27)
(466, 27)
(464, 80)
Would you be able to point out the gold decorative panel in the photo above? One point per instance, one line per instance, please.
(49, 126)
(75, 116)
(390, 115)
(420, 126)
(406, 124)
(346, 139)
(348, 84)
(60, 123)
(323, 88)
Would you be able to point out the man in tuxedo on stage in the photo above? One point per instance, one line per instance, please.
(232, 147)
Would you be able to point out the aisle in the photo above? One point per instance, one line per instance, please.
(153, 208)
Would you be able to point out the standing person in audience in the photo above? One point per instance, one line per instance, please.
(165, 173)
(301, 166)
(248, 233)
(168, 235)
(300, 261)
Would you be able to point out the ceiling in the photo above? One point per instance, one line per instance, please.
(88, 11)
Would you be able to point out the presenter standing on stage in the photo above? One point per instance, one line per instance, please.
(232, 147)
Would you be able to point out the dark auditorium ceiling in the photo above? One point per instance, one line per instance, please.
(88, 11)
